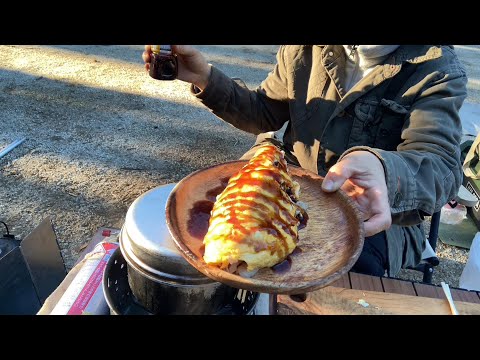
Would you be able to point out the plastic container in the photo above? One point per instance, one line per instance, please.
(453, 216)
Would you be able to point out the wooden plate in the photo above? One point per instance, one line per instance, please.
(328, 246)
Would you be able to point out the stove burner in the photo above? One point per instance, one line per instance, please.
(121, 301)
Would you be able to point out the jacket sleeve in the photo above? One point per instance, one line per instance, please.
(426, 171)
(255, 111)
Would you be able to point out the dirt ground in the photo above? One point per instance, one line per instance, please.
(100, 132)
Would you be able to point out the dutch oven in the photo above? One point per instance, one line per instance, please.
(161, 280)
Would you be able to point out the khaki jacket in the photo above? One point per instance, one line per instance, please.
(405, 111)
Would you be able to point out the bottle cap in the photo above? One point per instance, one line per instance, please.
(164, 49)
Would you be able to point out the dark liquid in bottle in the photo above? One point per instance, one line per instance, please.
(163, 67)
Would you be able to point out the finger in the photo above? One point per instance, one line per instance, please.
(351, 189)
(185, 50)
(146, 56)
(377, 223)
(337, 175)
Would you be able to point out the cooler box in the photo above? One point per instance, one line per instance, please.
(474, 187)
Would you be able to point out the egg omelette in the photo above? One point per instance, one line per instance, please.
(254, 221)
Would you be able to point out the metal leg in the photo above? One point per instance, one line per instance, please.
(427, 273)
(433, 234)
(432, 239)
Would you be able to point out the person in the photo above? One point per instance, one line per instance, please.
(379, 121)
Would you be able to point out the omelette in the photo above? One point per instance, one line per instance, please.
(254, 221)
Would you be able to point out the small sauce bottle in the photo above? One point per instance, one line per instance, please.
(163, 63)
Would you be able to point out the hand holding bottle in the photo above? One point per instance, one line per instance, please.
(192, 66)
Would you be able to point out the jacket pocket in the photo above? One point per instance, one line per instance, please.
(392, 116)
(364, 123)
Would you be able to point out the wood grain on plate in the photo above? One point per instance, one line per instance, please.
(330, 244)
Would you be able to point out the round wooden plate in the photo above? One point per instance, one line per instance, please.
(328, 246)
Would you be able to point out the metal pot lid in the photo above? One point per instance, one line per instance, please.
(146, 241)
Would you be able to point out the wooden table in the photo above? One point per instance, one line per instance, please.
(363, 294)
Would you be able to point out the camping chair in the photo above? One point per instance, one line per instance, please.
(464, 197)
(429, 257)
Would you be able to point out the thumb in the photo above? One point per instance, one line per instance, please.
(337, 175)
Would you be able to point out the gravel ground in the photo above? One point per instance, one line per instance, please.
(100, 132)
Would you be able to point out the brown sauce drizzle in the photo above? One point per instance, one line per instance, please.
(286, 265)
(198, 219)
(302, 216)
(296, 251)
(212, 194)
(276, 191)
(283, 266)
